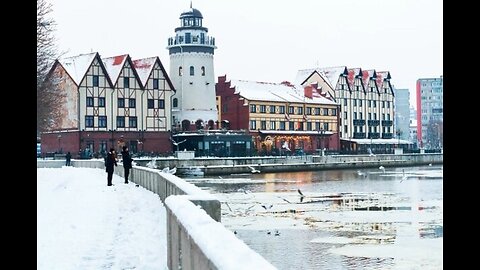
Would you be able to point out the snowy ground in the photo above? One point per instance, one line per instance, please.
(83, 224)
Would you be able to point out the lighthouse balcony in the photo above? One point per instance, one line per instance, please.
(180, 40)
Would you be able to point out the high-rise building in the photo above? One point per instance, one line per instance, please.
(430, 112)
(192, 74)
(402, 113)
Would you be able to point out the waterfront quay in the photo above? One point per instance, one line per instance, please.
(238, 165)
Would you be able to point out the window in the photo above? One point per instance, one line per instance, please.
(175, 102)
(300, 110)
(291, 125)
(282, 125)
(361, 116)
(126, 82)
(345, 102)
(317, 111)
(370, 103)
(155, 83)
(355, 116)
(388, 104)
(355, 102)
(192, 71)
(263, 108)
(101, 102)
(120, 121)
(272, 109)
(131, 103)
(374, 103)
(360, 102)
(180, 72)
(188, 38)
(309, 126)
(89, 101)
(291, 110)
(309, 110)
(150, 103)
(121, 102)
(383, 116)
(369, 116)
(161, 103)
(334, 112)
(253, 124)
(346, 128)
(317, 125)
(273, 125)
(95, 80)
(374, 116)
(88, 121)
(383, 104)
(371, 89)
(325, 111)
(281, 109)
(325, 126)
(345, 115)
(102, 121)
(203, 71)
(132, 121)
(263, 124)
(253, 108)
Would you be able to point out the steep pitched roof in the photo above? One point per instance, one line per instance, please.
(263, 91)
(77, 66)
(366, 76)
(352, 74)
(114, 66)
(144, 68)
(330, 73)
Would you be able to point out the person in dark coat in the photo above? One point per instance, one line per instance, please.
(110, 160)
(68, 158)
(127, 163)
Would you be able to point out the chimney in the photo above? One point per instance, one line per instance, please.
(308, 91)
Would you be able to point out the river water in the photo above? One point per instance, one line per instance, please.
(378, 218)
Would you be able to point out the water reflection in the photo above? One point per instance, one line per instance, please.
(338, 219)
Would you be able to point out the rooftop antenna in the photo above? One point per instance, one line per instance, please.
(190, 3)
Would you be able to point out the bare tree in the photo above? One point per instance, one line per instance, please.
(49, 97)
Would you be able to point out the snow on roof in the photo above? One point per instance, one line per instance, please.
(297, 132)
(114, 66)
(77, 66)
(275, 92)
(144, 68)
(330, 74)
(366, 76)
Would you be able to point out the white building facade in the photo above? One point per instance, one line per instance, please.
(192, 74)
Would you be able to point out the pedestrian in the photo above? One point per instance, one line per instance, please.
(68, 158)
(127, 163)
(110, 160)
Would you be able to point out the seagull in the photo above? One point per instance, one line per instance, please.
(382, 168)
(429, 164)
(253, 169)
(220, 177)
(285, 146)
(301, 195)
(267, 206)
(277, 233)
(360, 173)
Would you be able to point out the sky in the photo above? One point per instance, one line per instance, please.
(84, 224)
(267, 40)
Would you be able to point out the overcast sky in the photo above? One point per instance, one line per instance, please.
(268, 40)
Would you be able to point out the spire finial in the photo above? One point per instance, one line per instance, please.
(190, 3)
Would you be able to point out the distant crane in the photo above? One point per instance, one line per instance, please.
(177, 143)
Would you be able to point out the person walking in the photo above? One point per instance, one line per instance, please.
(127, 163)
(110, 160)
(68, 158)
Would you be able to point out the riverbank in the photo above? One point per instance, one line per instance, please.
(236, 165)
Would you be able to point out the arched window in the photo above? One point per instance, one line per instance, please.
(192, 71)
(203, 71)
(180, 72)
(175, 102)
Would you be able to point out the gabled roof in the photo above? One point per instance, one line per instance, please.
(77, 66)
(144, 68)
(366, 76)
(114, 66)
(263, 91)
(352, 74)
(330, 73)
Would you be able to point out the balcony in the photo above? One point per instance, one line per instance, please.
(387, 123)
(359, 135)
(358, 122)
(373, 122)
(373, 135)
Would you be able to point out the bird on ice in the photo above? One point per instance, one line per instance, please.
(253, 170)
(382, 168)
(267, 206)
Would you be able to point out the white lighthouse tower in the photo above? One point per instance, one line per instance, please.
(191, 72)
